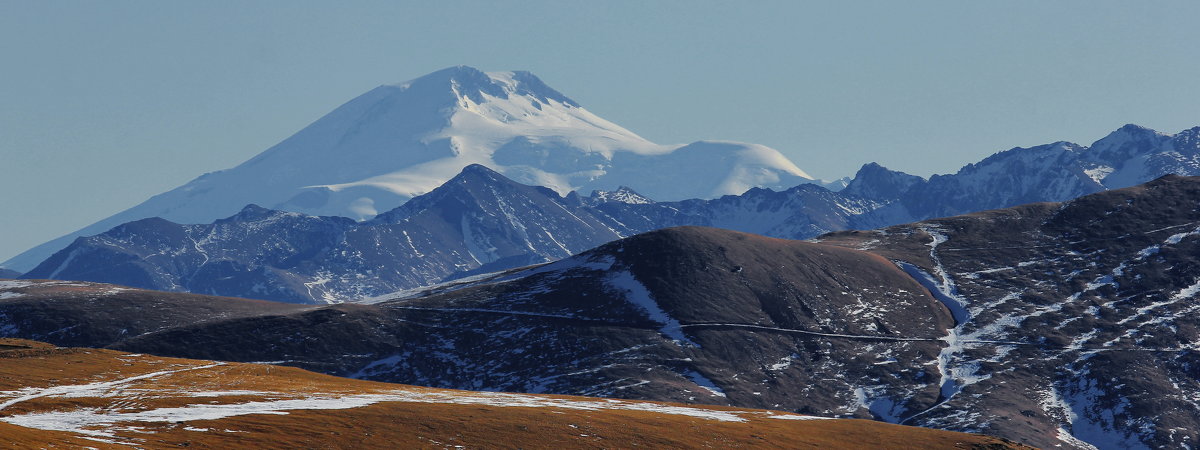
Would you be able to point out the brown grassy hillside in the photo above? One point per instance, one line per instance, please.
(75, 397)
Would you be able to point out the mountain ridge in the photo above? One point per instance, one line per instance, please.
(477, 222)
(482, 221)
(1054, 324)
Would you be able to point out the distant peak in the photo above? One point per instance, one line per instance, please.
(530, 84)
(479, 169)
(623, 194)
(871, 168)
(451, 73)
(1124, 143)
(1134, 128)
(1134, 131)
(252, 212)
(472, 83)
(475, 173)
(874, 181)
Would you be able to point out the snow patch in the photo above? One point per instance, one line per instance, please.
(704, 383)
(103, 423)
(636, 293)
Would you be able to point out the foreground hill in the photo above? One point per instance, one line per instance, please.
(73, 313)
(732, 311)
(1078, 318)
(76, 397)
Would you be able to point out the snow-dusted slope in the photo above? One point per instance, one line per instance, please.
(1052, 172)
(1134, 154)
(398, 141)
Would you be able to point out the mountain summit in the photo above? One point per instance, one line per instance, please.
(401, 140)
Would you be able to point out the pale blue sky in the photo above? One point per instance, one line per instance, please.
(103, 104)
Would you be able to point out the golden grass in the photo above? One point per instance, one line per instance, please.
(25, 364)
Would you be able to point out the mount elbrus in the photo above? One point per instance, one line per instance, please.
(397, 141)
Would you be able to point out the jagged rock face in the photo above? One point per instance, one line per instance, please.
(797, 213)
(476, 223)
(623, 194)
(1018, 176)
(154, 253)
(1054, 172)
(1081, 319)
(876, 182)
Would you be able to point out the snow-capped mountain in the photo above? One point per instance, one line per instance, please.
(398, 141)
(1133, 154)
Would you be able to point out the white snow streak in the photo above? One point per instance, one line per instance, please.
(95, 422)
(637, 294)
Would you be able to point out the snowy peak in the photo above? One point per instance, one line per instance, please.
(623, 194)
(1187, 141)
(530, 84)
(478, 173)
(1022, 157)
(399, 141)
(252, 213)
(474, 84)
(476, 187)
(462, 81)
(1134, 154)
(1125, 143)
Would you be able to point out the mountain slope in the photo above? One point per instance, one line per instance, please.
(106, 399)
(73, 313)
(1053, 172)
(484, 222)
(606, 322)
(1055, 324)
(398, 141)
(1078, 317)
(478, 222)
